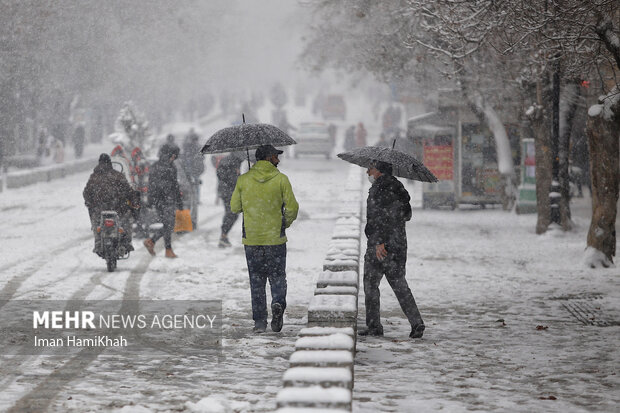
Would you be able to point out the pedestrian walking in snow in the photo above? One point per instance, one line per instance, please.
(227, 173)
(388, 210)
(79, 139)
(59, 151)
(360, 135)
(193, 161)
(266, 198)
(164, 196)
(349, 138)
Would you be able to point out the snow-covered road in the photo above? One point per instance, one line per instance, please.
(482, 279)
(46, 254)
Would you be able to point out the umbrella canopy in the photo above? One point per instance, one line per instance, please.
(403, 165)
(246, 136)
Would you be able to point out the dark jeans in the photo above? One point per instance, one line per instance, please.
(166, 215)
(394, 271)
(266, 262)
(229, 217)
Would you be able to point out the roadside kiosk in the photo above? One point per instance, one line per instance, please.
(461, 153)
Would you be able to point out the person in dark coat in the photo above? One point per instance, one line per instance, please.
(227, 172)
(349, 139)
(388, 210)
(164, 196)
(193, 161)
(108, 190)
(79, 138)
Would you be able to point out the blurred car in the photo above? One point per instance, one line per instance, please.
(313, 138)
(334, 107)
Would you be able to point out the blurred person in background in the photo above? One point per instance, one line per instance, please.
(227, 172)
(193, 161)
(360, 135)
(349, 138)
(165, 197)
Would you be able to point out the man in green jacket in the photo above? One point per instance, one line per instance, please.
(266, 198)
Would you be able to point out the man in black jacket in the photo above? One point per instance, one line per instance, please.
(227, 173)
(387, 211)
(164, 196)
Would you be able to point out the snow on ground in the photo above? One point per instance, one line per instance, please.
(469, 270)
(483, 281)
(59, 265)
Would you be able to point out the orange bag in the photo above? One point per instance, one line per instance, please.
(183, 221)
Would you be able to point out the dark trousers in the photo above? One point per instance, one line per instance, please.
(266, 262)
(166, 214)
(394, 271)
(229, 217)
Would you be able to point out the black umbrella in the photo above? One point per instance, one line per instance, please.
(403, 165)
(245, 137)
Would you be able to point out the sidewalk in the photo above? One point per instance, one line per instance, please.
(495, 298)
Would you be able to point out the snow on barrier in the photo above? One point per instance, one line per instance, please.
(320, 358)
(315, 397)
(336, 290)
(318, 376)
(321, 374)
(336, 341)
(23, 178)
(338, 279)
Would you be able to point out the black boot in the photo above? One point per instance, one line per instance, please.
(277, 320)
(417, 331)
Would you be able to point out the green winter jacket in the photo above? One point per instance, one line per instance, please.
(265, 197)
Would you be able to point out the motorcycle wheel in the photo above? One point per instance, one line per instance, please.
(111, 263)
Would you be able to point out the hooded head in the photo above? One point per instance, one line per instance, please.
(167, 150)
(105, 161)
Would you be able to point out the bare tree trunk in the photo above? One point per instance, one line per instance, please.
(571, 99)
(542, 141)
(603, 130)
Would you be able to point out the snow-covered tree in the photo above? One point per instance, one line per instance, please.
(132, 123)
(529, 43)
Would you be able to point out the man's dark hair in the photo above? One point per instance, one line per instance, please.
(384, 167)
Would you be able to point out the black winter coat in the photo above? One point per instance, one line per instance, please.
(387, 211)
(227, 174)
(164, 188)
(193, 162)
(108, 190)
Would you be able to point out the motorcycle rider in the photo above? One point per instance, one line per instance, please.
(108, 190)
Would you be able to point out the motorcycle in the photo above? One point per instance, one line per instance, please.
(111, 239)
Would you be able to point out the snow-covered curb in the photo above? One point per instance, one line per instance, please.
(20, 179)
(320, 375)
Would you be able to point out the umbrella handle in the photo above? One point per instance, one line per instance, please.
(243, 117)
